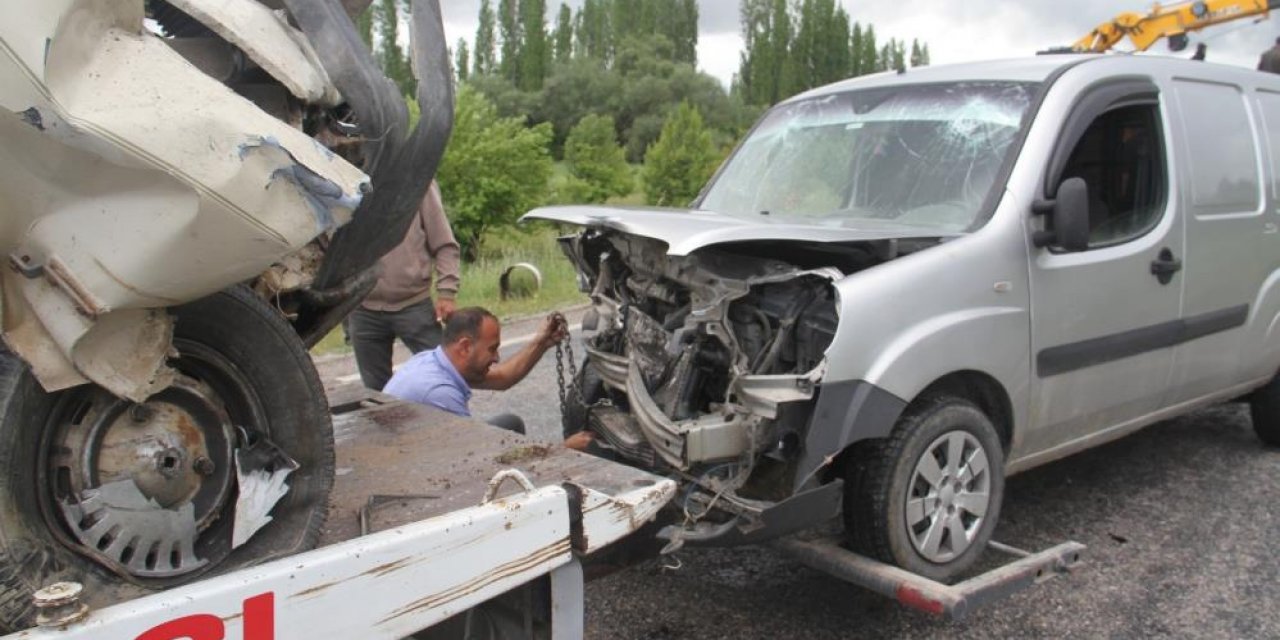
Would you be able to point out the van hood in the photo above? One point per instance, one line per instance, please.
(687, 230)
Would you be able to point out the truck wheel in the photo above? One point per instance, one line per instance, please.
(1264, 408)
(927, 498)
(244, 379)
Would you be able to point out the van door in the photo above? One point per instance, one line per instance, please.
(1101, 318)
(1230, 242)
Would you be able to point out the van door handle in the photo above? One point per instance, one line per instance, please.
(1165, 265)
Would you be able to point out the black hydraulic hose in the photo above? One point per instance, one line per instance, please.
(400, 167)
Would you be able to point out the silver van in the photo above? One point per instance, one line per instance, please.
(900, 289)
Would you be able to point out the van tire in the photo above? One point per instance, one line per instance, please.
(238, 345)
(1264, 408)
(882, 476)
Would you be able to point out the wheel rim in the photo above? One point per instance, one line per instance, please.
(948, 496)
(176, 448)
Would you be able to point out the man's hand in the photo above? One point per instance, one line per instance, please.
(554, 329)
(444, 308)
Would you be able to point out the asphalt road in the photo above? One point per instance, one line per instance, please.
(1180, 522)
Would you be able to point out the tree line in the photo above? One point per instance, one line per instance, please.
(614, 85)
(792, 46)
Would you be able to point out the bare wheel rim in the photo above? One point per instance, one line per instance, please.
(948, 496)
(176, 448)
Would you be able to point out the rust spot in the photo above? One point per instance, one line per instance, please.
(192, 438)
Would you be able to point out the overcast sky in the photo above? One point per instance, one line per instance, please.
(956, 31)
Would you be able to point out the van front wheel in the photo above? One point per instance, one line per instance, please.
(927, 499)
(1264, 408)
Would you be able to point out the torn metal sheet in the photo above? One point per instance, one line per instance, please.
(261, 471)
(268, 40)
(125, 351)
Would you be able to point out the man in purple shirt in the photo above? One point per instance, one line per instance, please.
(468, 359)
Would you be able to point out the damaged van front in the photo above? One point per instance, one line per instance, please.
(724, 337)
(194, 192)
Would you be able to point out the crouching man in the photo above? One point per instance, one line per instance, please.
(467, 359)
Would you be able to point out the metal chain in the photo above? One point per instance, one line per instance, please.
(570, 390)
(564, 408)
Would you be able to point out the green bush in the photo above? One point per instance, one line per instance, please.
(681, 161)
(597, 165)
(494, 170)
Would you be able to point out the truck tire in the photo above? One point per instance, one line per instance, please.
(1264, 408)
(243, 358)
(927, 498)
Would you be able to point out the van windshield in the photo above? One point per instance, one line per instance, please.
(924, 155)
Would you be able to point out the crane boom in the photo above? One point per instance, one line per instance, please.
(1172, 21)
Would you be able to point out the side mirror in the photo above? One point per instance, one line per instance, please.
(1070, 217)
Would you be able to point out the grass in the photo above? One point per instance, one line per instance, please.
(535, 245)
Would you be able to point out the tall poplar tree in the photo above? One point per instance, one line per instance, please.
(461, 57)
(391, 56)
(564, 34)
(856, 64)
(509, 30)
(533, 49)
(870, 51)
(686, 36)
(485, 44)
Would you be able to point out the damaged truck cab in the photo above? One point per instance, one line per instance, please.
(900, 289)
(191, 194)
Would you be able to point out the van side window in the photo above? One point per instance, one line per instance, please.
(1121, 159)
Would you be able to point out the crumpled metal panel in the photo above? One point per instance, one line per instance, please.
(268, 40)
(141, 181)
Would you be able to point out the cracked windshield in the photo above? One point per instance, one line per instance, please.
(917, 156)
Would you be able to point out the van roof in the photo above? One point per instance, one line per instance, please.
(1026, 69)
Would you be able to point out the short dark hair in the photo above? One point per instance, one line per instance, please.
(466, 323)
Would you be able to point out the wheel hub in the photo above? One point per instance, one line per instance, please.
(948, 496)
(137, 483)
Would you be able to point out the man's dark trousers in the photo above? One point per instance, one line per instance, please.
(374, 333)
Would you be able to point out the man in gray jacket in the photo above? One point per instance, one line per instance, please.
(401, 305)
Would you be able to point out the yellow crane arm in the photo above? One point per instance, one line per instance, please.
(1173, 21)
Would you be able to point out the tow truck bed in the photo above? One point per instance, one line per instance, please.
(399, 462)
(422, 526)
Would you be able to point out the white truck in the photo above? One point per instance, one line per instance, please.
(191, 194)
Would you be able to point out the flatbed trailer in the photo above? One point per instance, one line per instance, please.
(431, 515)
